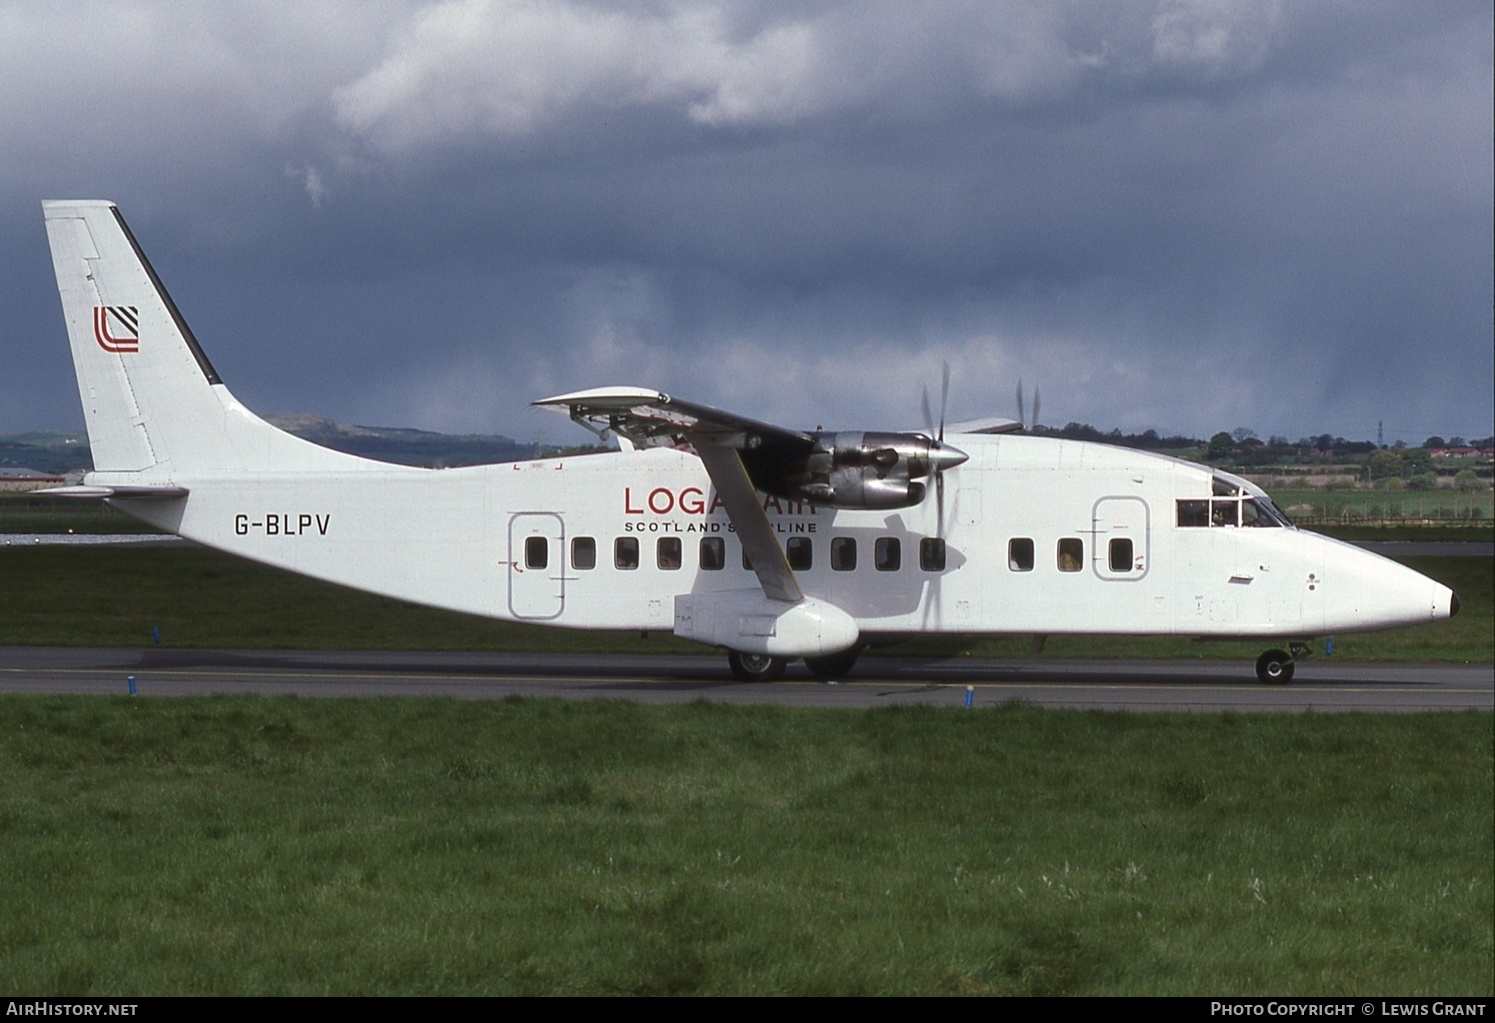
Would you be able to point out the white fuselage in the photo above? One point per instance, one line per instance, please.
(1040, 536)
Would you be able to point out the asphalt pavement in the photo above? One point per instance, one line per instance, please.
(1321, 684)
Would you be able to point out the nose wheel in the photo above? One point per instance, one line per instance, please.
(1275, 668)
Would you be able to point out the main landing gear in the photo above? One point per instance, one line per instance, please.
(764, 668)
(756, 667)
(1275, 667)
(832, 667)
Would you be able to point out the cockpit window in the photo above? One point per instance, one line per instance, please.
(1193, 513)
(1268, 514)
(1230, 511)
(1224, 513)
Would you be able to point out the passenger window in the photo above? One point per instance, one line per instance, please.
(1020, 554)
(713, 553)
(932, 554)
(887, 555)
(583, 553)
(801, 554)
(1121, 554)
(667, 553)
(843, 554)
(1071, 554)
(625, 553)
(1193, 513)
(536, 552)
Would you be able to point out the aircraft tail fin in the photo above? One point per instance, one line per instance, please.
(153, 403)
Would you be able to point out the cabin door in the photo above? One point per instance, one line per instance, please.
(536, 562)
(1120, 551)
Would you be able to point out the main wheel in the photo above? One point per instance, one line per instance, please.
(1275, 667)
(755, 667)
(833, 666)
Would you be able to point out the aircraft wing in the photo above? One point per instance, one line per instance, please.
(649, 418)
(992, 424)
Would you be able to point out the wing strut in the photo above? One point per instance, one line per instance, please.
(740, 498)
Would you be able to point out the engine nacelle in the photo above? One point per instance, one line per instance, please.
(857, 469)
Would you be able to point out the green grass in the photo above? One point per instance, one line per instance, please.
(26, 513)
(280, 846)
(1349, 505)
(113, 596)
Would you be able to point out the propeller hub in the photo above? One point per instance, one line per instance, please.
(945, 456)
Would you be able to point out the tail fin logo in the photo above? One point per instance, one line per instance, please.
(117, 327)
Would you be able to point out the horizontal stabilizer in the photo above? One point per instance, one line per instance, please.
(160, 493)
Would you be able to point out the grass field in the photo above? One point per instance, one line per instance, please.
(114, 596)
(281, 846)
(24, 513)
(1349, 506)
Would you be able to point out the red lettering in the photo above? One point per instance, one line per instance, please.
(716, 502)
(692, 501)
(628, 508)
(669, 500)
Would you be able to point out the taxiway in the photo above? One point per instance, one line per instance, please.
(1320, 685)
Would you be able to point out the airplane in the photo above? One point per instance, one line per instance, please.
(770, 543)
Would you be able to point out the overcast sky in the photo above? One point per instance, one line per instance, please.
(1189, 216)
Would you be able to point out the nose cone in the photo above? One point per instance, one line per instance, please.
(1363, 591)
(945, 456)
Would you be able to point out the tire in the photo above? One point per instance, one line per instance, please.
(1275, 668)
(755, 667)
(833, 666)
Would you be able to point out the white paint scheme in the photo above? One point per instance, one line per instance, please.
(174, 448)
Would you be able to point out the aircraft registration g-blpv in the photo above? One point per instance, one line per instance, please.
(771, 543)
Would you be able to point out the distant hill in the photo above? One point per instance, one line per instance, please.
(57, 451)
(52, 451)
(406, 446)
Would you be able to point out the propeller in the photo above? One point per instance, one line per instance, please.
(1022, 419)
(940, 456)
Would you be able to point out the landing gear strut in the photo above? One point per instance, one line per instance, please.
(755, 667)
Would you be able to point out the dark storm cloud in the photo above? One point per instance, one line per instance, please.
(1188, 216)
